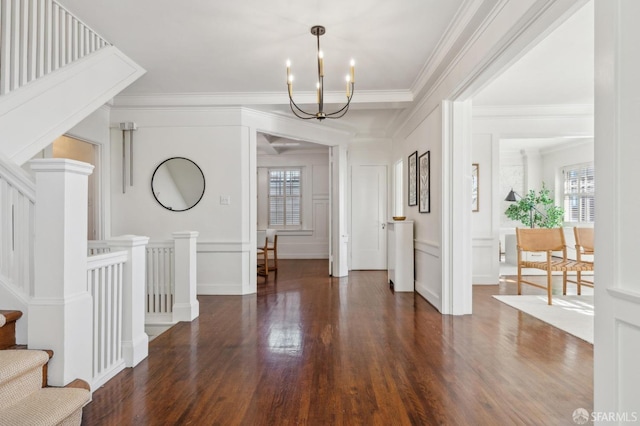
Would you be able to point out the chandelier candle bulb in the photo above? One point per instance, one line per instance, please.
(348, 86)
(353, 71)
(290, 84)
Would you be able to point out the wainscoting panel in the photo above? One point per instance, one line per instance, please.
(486, 263)
(222, 268)
(428, 264)
(628, 337)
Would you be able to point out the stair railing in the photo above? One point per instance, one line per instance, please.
(170, 278)
(37, 37)
(17, 206)
(105, 283)
(160, 281)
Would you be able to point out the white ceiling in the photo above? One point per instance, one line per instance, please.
(558, 70)
(195, 46)
(237, 50)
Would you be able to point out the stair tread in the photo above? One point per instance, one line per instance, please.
(47, 406)
(7, 316)
(14, 362)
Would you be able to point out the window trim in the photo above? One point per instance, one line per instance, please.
(300, 225)
(581, 169)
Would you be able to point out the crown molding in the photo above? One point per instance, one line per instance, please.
(367, 98)
(445, 45)
(579, 142)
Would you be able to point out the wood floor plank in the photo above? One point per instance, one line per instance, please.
(309, 349)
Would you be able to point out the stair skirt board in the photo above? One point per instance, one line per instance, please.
(103, 377)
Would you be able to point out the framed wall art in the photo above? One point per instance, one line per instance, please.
(413, 179)
(424, 164)
(475, 186)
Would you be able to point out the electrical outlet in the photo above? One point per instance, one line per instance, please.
(225, 200)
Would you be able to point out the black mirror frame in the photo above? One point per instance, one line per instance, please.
(204, 184)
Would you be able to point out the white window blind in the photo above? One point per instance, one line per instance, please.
(285, 198)
(579, 193)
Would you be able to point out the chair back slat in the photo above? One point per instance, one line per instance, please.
(540, 239)
(584, 238)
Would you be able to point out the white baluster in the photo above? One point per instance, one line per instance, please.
(24, 44)
(40, 43)
(32, 54)
(56, 43)
(119, 325)
(14, 37)
(68, 45)
(48, 36)
(5, 47)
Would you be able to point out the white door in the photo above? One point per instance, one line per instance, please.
(368, 217)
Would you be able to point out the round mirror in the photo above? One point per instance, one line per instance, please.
(177, 184)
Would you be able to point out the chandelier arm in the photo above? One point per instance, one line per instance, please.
(346, 106)
(292, 104)
(344, 110)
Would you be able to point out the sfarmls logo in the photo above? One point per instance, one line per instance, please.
(582, 416)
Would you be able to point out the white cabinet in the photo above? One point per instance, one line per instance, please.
(400, 253)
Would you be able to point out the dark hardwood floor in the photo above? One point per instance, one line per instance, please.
(309, 349)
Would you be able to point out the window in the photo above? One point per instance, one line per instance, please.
(285, 198)
(579, 193)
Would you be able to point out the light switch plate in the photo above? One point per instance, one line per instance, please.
(225, 200)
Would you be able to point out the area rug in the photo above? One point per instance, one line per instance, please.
(573, 314)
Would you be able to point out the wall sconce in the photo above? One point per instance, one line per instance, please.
(127, 127)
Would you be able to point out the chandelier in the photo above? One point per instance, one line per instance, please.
(317, 31)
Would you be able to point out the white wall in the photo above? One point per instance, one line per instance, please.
(428, 226)
(617, 294)
(312, 242)
(485, 248)
(223, 148)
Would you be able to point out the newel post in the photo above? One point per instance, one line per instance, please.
(135, 342)
(186, 306)
(60, 310)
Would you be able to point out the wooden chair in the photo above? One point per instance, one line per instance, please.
(270, 245)
(584, 247)
(546, 240)
(263, 265)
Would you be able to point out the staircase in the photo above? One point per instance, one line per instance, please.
(23, 398)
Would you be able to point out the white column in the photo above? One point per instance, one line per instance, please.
(135, 342)
(456, 211)
(60, 311)
(339, 232)
(185, 306)
(616, 371)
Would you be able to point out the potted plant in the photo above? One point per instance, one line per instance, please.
(535, 210)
